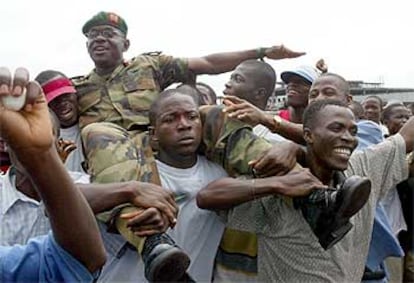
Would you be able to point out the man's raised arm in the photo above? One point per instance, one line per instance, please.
(407, 132)
(224, 62)
(29, 133)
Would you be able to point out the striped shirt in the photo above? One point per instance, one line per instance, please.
(21, 217)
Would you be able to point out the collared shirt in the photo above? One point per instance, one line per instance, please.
(290, 252)
(21, 217)
(123, 263)
(41, 260)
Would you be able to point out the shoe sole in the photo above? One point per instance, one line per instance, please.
(170, 266)
(356, 195)
(354, 200)
(337, 235)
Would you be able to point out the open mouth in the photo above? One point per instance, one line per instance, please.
(343, 151)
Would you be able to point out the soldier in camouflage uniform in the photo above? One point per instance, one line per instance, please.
(115, 97)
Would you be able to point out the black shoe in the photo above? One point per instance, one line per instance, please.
(164, 260)
(328, 211)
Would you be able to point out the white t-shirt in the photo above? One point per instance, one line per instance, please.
(198, 232)
(75, 158)
(264, 132)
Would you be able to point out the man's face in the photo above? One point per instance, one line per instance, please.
(241, 84)
(328, 87)
(177, 128)
(372, 109)
(297, 91)
(397, 118)
(106, 45)
(65, 107)
(333, 137)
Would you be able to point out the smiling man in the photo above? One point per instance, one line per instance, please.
(298, 83)
(289, 252)
(62, 100)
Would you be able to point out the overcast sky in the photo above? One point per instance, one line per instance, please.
(359, 39)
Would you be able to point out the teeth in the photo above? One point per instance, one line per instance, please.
(346, 151)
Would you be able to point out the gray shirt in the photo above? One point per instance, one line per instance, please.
(288, 249)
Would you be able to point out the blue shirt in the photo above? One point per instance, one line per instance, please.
(41, 260)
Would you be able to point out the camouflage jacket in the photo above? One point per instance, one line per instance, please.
(229, 142)
(125, 96)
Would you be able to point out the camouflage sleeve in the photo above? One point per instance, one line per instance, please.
(174, 70)
(229, 142)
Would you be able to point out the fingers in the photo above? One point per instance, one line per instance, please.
(147, 221)
(17, 92)
(233, 99)
(34, 93)
(20, 80)
(5, 81)
(239, 114)
(169, 211)
(130, 215)
(68, 146)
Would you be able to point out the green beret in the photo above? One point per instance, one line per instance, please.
(106, 18)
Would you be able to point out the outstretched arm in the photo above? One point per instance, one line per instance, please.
(29, 133)
(228, 192)
(227, 61)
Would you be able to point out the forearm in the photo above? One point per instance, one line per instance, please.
(103, 197)
(289, 130)
(228, 192)
(72, 221)
(220, 62)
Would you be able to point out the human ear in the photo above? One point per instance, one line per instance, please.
(307, 135)
(151, 132)
(126, 44)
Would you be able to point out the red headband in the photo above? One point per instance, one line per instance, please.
(57, 87)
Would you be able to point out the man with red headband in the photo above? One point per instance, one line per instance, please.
(62, 99)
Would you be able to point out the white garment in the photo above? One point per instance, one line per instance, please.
(198, 232)
(392, 206)
(265, 133)
(21, 217)
(75, 158)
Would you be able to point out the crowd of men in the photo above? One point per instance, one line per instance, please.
(121, 176)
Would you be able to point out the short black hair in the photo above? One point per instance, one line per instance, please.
(190, 90)
(344, 83)
(380, 101)
(264, 75)
(211, 93)
(45, 76)
(386, 113)
(154, 108)
(357, 109)
(311, 112)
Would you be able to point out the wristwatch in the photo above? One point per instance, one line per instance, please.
(277, 122)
